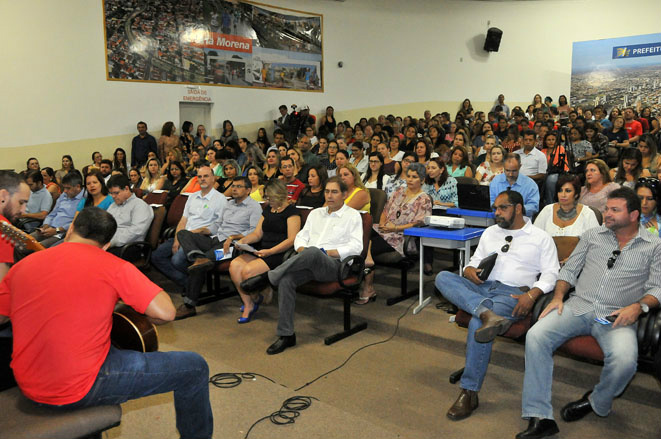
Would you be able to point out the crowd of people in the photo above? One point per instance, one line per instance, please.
(551, 171)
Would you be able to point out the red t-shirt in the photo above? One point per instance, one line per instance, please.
(60, 303)
(634, 128)
(6, 247)
(294, 189)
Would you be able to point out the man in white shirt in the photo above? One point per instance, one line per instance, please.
(133, 216)
(533, 161)
(509, 293)
(202, 214)
(330, 234)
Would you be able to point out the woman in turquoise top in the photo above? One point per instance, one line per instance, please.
(459, 166)
(97, 192)
(647, 190)
(441, 187)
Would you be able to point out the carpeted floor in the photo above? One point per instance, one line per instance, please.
(399, 388)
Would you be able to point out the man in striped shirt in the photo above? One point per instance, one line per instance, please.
(620, 278)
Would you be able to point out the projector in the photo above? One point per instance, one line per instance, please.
(444, 221)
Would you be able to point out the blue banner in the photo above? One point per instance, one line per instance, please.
(638, 50)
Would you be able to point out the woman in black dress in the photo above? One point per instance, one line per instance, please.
(273, 236)
(313, 194)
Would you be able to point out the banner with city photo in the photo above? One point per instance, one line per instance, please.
(213, 42)
(617, 72)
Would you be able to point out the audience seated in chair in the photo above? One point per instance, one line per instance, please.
(616, 281)
(201, 215)
(40, 202)
(133, 216)
(524, 252)
(514, 180)
(330, 234)
(238, 219)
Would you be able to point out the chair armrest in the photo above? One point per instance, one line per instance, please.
(169, 233)
(142, 246)
(351, 265)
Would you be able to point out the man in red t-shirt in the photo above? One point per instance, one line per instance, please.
(294, 185)
(14, 196)
(62, 320)
(633, 127)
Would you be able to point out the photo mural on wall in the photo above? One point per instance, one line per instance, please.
(617, 72)
(213, 42)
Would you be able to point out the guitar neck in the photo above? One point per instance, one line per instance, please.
(18, 237)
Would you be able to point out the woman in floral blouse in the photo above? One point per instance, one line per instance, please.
(407, 207)
(491, 167)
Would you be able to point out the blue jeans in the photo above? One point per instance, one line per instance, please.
(129, 375)
(620, 348)
(549, 188)
(173, 266)
(475, 299)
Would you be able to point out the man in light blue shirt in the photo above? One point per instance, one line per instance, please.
(39, 203)
(59, 219)
(511, 178)
(239, 218)
(201, 215)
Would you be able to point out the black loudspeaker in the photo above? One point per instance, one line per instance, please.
(492, 42)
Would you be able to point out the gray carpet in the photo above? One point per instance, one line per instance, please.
(395, 389)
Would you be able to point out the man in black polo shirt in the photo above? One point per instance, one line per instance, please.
(141, 145)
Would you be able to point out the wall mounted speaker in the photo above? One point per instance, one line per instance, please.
(492, 42)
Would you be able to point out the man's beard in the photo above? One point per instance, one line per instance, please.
(504, 223)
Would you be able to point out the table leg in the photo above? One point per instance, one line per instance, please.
(422, 302)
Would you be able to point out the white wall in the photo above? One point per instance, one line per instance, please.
(54, 87)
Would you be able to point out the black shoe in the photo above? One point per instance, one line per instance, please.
(538, 428)
(576, 410)
(255, 283)
(281, 344)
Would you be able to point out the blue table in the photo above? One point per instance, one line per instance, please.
(477, 218)
(459, 239)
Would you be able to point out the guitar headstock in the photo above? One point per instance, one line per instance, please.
(18, 237)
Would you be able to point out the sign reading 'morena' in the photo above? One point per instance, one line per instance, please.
(638, 50)
(218, 41)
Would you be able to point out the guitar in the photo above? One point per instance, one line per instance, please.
(19, 238)
(130, 329)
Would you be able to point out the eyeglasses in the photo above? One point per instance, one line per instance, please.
(612, 259)
(496, 208)
(375, 162)
(506, 247)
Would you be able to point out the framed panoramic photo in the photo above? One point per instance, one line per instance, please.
(617, 72)
(213, 42)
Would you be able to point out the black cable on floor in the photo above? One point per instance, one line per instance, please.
(360, 349)
(229, 379)
(288, 412)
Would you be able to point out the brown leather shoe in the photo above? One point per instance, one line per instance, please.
(201, 264)
(464, 405)
(492, 325)
(183, 312)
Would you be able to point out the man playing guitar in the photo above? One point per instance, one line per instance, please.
(14, 196)
(62, 321)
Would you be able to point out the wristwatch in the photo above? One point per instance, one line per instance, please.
(644, 307)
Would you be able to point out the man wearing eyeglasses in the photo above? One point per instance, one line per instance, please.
(620, 279)
(526, 267)
(512, 179)
(238, 219)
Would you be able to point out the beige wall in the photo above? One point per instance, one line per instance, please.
(399, 57)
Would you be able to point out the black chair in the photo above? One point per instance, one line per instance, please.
(23, 419)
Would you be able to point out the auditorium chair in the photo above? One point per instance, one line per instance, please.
(139, 252)
(350, 275)
(156, 198)
(23, 419)
(583, 347)
(175, 212)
